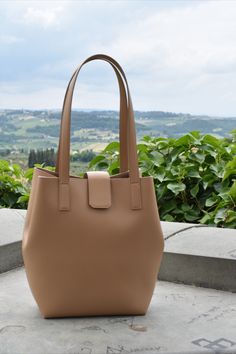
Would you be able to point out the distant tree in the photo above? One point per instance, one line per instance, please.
(84, 156)
(5, 152)
(87, 155)
(46, 157)
(32, 158)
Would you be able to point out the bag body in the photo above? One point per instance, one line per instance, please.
(93, 245)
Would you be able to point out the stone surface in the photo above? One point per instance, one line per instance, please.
(181, 319)
(204, 241)
(203, 256)
(11, 226)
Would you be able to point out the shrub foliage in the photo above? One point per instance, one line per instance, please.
(194, 176)
(14, 185)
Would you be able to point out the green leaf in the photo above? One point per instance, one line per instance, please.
(29, 173)
(211, 140)
(194, 191)
(208, 179)
(179, 212)
(96, 160)
(204, 220)
(102, 165)
(220, 215)
(142, 147)
(23, 199)
(230, 169)
(160, 191)
(114, 146)
(232, 191)
(190, 216)
(193, 173)
(209, 159)
(114, 168)
(200, 157)
(162, 144)
(4, 166)
(157, 158)
(168, 217)
(169, 205)
(175, 153)
(211, 201)
(184, 140)
(9, 199)
(176, 188)
(17, 170)
(196, 134)
(186, 207)
(147, 138)
(160, 174)
(231, 216)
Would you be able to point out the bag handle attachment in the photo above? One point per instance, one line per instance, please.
(64, 151)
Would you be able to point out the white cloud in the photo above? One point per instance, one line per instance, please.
(43, 17)
(185, 39)
(178, 56)
(9, 39)
(181, 52)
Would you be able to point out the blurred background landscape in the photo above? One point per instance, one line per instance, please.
(180, 60)
(22, 131)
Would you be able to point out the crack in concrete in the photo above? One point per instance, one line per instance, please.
(12, 328)
(182, 230)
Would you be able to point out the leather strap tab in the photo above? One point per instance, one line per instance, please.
(136, 202)
(99, 189)
(64, 200)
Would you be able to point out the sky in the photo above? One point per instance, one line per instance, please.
(179, 56)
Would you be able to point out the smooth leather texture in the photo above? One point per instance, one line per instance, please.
(99, 189)
(93, 245)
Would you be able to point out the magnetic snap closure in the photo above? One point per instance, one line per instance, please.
(99, 189)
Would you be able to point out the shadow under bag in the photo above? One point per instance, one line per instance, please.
(93, 245)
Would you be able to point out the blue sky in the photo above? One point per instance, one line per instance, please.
(178, 55)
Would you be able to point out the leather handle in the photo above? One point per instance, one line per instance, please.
(64, 153)
(123, 131)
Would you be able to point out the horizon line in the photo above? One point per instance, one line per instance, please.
(114, 110)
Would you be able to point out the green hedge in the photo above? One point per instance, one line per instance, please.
(194, 177)
(15, 184)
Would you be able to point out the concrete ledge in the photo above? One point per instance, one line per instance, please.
(11, 228)
(207, 272)
(202, 256)
(194, 254)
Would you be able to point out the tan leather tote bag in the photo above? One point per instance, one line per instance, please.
(93, 245)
